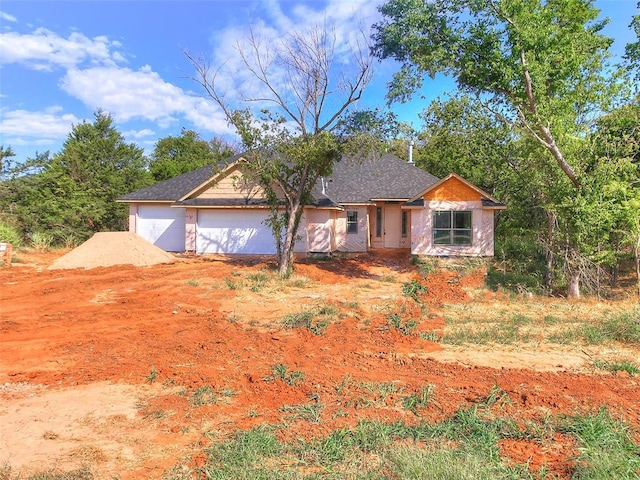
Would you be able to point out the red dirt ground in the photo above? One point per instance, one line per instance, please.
(79, 350)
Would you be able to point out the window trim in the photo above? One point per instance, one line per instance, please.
(352, 223)
(451, 229)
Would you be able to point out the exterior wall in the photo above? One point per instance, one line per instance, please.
(351, 242)
(481, 230)
(452, 190)
(302, 240)
(191, 217)
(234, 185)
(133, 214)
(319, 230)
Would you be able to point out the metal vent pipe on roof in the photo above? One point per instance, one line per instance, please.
(411, 152)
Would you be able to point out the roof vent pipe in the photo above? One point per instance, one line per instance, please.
(411, 152)
(323, 187)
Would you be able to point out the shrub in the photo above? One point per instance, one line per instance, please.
(9, 234)
(41, 242)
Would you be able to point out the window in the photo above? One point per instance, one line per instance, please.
(452, 228)
(405, 223)
(352, 222)
(379, 222)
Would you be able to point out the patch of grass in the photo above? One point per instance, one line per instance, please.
(503, 333)
(280, 372)
(382, 390)
(460, 464)
(413, 289)
(425, 265)
(82, 473)
(432, 336)
(390, 278)
(406, 327)
(193, 282)
(231, 284)
(297, 319)
(607, 448)
(414, 401)
(311, 412)
(344, 384)
(551, 320)
(623, 327)
(243, 456)
(631, 368)
(153, 375)
(257, 281)
(463, 446)
(496, 395)
(317, 320)
(204, 396)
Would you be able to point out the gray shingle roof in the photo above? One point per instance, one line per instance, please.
(353, 181)
(385, 177)
(172, 189)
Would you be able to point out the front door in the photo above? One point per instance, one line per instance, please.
(392, 226)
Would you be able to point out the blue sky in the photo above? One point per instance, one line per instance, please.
(62, 60)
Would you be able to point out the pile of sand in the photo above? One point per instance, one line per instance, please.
(105, 249)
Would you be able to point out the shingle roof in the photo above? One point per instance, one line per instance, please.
(172, 189)
(353, 181)
(385, 177)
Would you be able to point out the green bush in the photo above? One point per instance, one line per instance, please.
(9, 234)
(519, 265)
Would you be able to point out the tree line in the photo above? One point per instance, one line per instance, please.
(70, 195)
(542, 118)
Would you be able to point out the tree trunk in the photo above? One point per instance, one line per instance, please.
(573, 286)
(615, 274)
(285, 262)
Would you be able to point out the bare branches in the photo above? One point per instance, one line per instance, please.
(304, 77)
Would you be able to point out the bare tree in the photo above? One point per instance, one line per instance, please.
(285, 104)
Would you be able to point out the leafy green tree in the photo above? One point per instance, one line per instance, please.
(461, 136)
(174, 156)
(5, 160)
(291, 140)
(632, 50)
(541, 65)
(615, 171)
(72, 194)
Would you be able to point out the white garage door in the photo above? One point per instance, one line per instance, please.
(234, 231)
(163, 226)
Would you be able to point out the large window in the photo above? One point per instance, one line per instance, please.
(352, 221)
(451, 227)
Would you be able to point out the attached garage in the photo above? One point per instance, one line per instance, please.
(162, 225)
(238, 231)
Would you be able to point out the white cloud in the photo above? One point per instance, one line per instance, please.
(141, 94)
(7, 18)
(45, 50)
(349, 22)
(48, 125)
(137, 134)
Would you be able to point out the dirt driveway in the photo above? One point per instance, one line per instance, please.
(133, 370)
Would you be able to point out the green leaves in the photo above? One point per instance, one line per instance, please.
(73, 193)
(174, 156)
